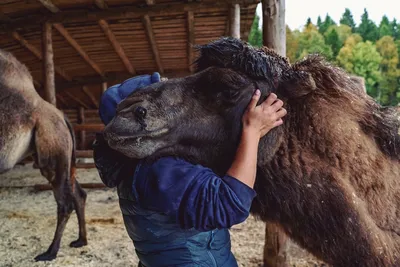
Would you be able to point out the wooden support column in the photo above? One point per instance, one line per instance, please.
(274, 37)
(274, 27)
(103, 87)
(48, 65)
(235, 21)
(190, 33)
(82, 134)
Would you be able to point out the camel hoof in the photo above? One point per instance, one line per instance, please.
(78, 243)
(45, 257)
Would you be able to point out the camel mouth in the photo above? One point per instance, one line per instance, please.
(115, 139)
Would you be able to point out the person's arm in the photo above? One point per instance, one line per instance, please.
(257, 122)
(196, 195)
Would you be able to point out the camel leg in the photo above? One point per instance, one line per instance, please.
(79, 196)
(65, 205)
(275, 246)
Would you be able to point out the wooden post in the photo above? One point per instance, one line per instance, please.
(103, 87)
(275, 246)
(274, 27)
(82, 134)
(191, 39)
(274, 37)
(48, 65)
(235, 21)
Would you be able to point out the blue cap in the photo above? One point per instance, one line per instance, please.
(116, 93)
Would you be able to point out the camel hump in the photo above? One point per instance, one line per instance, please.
(14, 75)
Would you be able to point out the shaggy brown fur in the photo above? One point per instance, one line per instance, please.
(330, 176)
(31, 126)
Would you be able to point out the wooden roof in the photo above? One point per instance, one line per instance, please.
(97, 41)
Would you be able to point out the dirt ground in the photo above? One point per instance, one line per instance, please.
(28, 220)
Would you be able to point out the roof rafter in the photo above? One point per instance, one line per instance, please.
(113, 40)
(49, 5)
(60, 28)
(117, 47)
(80, 15)
(101, 4)
(83, 104)
(151, 38)
(38, 54)
(86, 90)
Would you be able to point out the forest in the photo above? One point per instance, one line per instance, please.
(367, 50)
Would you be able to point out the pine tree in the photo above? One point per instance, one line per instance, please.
(308, 21)
(385, 28)
(367, 28)
(332, 39)
(319, 22)
(395, 29)
(326, 24)
(347, 19)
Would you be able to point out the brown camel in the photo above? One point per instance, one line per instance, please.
(31, 126)
(330, 176)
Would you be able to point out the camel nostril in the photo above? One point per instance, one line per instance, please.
(140, 112)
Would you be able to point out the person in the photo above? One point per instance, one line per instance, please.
(178, 213)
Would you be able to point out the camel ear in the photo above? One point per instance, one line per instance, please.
(296, 84)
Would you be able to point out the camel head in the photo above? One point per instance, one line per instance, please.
(199, 116)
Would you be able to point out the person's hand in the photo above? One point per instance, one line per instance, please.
(259, 120)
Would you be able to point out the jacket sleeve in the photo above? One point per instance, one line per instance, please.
(197, 196)
(112, 166)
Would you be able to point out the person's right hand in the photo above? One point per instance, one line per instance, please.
(264, 117)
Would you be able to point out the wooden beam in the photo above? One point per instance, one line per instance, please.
(49, 5)
(84, 153)
(38, 54)
(48, 65)
(117, 47)
(92, 79)
(90, 127)
(101, 4)
(274, 37)
(191, 39)
(103, 87)
(83, 104)
(152, 40)
(235, 21)
(81, 15)
(60, 28)
(86, 90)
(62, 100)
(82, 134)
(274, 27)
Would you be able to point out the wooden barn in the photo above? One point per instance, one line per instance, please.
(75, 49)
(89, 45)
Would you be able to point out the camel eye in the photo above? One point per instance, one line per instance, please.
(140, 112)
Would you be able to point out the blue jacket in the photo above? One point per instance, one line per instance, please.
(178, 214)
(175, 212)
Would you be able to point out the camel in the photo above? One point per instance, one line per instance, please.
(31, 126)
(329, 176)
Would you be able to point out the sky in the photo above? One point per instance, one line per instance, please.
(297, 11)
